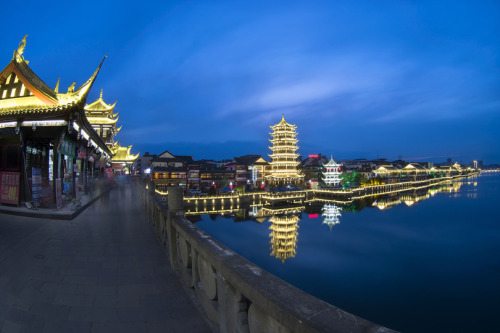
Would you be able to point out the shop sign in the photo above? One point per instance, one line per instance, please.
(36, 184)
(67, 186)
(82, 151)
(68, 147)
(59, 193)
(9, 190)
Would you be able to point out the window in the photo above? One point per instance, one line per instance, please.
(13, 92)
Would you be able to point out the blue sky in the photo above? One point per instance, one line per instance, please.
(417, 79)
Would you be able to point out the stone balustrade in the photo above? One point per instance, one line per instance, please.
(236, 294)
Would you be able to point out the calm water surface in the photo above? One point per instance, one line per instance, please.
(419, 262)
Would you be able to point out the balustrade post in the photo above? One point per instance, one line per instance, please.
(175, 208)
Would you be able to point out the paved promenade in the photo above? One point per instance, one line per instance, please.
(104, 271)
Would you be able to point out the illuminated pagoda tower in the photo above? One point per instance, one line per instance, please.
(102, 118)
(284, 236)
(284, 157)
(331, 214)
(333, 170)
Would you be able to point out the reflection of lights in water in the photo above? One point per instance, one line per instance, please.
(386, 202)
(284, 236)
(331, 215)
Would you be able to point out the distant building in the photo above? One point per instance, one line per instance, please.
(143, 164)
(312, 168)
(249, 170)
(168, 170)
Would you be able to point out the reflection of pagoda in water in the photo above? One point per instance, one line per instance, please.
(284, 236)
(331, 214)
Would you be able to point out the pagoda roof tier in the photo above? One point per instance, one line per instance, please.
(289, 142)
(122, 154)
(332, 163)
(283, 124)
(102, 120)
(100, 105)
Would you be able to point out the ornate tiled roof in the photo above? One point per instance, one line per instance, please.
(28, 94)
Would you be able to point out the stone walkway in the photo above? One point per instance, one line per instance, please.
(104, 271)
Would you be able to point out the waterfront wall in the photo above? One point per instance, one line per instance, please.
(234, 293)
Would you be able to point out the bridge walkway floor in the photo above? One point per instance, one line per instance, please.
(103, 271)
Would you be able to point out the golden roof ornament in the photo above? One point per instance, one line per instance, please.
(56, 89)
(18, 54)
(72, 87)
(22, 45)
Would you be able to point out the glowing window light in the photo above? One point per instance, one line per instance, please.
(85, 135)
(22, 90)
(13, 92)
(4, 94)
(8, 124)
(44, 123)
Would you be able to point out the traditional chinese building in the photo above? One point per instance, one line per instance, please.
(45, 137)
(103, 120)
(284, 157)
(284, 236)
(333, 170)
(122, 158)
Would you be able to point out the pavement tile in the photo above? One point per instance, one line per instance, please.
(10, 327)
(92, 314)
(49, 310)
(104, 271)
(133, 327)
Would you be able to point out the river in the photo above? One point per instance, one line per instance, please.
(425, 261)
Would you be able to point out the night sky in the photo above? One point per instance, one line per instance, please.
(417, 79)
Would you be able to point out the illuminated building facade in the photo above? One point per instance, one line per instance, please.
(46, 141)
(284, 236)
(122, 158)
(331, 175)
(103, 120)
(284, 155)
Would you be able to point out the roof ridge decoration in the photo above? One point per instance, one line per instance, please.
(41, 95)
(20, 49)
(56, 89)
